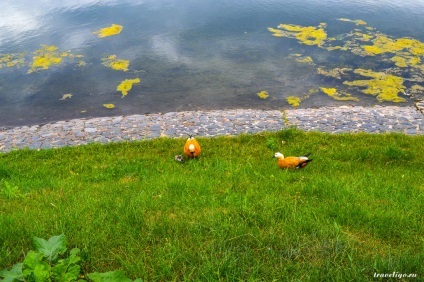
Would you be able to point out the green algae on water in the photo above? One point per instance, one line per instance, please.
(263, 94)
(109, 106)
(335, 73)
(47, 56)
(308, 35)
(114, 29)
(114, 63)
(385, 87)
(293, 101)
(398, 58)
(12, 60)
(125, 86)
(302, 59)
(357, 22)
(336, 95)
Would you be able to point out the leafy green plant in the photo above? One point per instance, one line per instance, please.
(46, 264)
(9, 191)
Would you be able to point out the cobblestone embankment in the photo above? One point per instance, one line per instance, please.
(376, 119)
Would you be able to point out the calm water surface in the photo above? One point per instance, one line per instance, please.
(188, 54)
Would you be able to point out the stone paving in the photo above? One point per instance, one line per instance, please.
(375, 119)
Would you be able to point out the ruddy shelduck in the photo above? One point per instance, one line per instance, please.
(292, 162)
(192, 147)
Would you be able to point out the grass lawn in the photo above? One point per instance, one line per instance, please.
(231, 215)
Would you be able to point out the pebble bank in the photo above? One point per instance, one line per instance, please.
(377, 119)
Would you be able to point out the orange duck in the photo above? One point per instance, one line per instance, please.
(191, 147)
(292, 162)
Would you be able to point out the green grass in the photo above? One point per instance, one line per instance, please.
(231, 215)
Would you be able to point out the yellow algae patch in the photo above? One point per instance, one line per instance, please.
(48, 56)
(333, 93)
(302, 59)
(364, 41)
(329, 91)
(357, 22)
(384, 44)
(305, 60)
(333, 48)
(309, 35)
(45, 57)
(399, 56)
(336, 73)
(404, 61)
(364, 37)
(293, 101)
(109, 106)
(109, 31)
(385, 87)
(373, 50)
(117, 64)
(126, 86)
(263, 94)
(66, 96)
(278, 32)
(12, 60)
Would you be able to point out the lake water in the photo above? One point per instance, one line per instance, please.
(199, 55)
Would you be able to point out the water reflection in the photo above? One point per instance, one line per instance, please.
(187, 54)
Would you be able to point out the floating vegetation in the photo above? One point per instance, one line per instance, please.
(312, 91)
(335, 73)
(305, 60)
(403, 61)
(340, 96)
(385, 87)
(263, 94)
(126, 86)
(302, 59)
(309, 35)
(12, 60)
(81, 63)
(117, 64)
(47, 56)
(66, 96)
(357, 22)
(109, 31)
(385, 44)
(399, 57)
(109, 106)
(293, 101)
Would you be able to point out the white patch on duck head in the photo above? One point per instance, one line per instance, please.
(278, 155)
